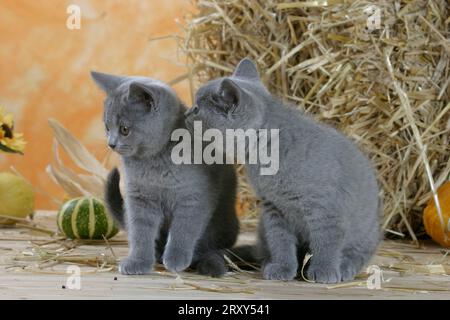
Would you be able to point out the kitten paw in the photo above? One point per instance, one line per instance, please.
(276, 271)
(213, 266)
(348, 272)
(323, 274)
(131, 266)
(177, 260)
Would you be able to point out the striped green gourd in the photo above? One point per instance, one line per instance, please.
(86, 218)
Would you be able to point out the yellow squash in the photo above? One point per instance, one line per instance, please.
(16, 196)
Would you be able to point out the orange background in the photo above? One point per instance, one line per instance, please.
(44, 69)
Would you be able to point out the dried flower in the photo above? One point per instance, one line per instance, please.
(10, 141)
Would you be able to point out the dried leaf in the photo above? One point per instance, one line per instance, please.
(77, 152)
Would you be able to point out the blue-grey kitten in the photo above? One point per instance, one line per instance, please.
(183, 215)
(324, 198)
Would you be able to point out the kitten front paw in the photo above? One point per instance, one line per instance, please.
(323, 273)
(177, 260)
(348, 272)
(276, 271)
(131, 266)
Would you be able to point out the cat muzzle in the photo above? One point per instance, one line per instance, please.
(192, 111)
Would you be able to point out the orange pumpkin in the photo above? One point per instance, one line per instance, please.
(431, 218)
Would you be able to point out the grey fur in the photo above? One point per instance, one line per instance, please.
(324, 198)
(181, 214)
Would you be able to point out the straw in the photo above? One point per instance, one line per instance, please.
(387, 88)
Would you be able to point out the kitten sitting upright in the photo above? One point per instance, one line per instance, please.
(185, 212)
(323, 199)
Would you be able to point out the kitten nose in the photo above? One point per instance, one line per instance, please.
(194, 110)
(112, 145)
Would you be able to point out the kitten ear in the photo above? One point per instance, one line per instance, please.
(106, 82)
(246, 69)
(230, 92)
(142, 92)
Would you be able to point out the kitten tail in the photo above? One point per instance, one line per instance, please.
(113, 198)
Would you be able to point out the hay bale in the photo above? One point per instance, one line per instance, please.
(388, 89)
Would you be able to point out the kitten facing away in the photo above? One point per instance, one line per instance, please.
(324, 197)
(182, 215)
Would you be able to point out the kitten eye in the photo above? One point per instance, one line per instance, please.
(106, 127)
(124, 130)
